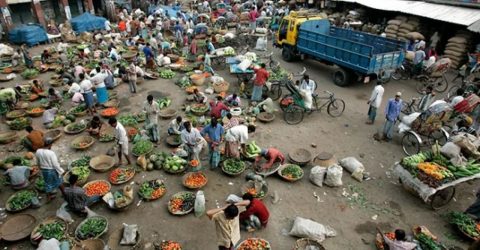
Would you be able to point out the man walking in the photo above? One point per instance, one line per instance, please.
(227, 224)
(392, 112)
(374, 102)
(132, 77)
(121, 139)
(51, 170)
(150, 107)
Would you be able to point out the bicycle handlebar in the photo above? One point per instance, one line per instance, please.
(300, 73)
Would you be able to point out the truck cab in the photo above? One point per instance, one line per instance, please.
(287, 33)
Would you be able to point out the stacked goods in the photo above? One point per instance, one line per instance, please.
(404, 29)
(457, 48)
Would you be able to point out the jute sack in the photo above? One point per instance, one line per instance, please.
(394, 22)
(389, 35)
(407, 26)
(402, 18)
(456, 49)
(404, 30)
(392, 27)
(453, 53)
(457, 39)
(415, 36)
(387, 30)
(413, 23)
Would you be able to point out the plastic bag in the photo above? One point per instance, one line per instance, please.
(199, 207)
(352, 165)
(233, 198)
(129, 234)
(317, 175)
(51, 244)
(450, 150)
(408, 119)
(63, 214)
(334, 176)
(90, 213)
(305, 228)
(244, 64)
(261, 44)
(465, 142)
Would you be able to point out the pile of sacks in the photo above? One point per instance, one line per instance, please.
(404, 29)
(457, 48)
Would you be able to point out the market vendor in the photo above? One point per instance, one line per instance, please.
(272, 155)
(121, 140)
(192, 141)
(86, 88)
(261, 77)
(26, 56)
(256, 216)
(37, 87)
(233, 100)
(18, 174)
(49, 116)
(229, 121)
(213, 134)
(54, 97)
(45, 56)
(150, 107)
(34, 139)
(77, 99)
(95, 126)
(76, 198)
(207, 64)
(67, 77)
(237, 137)
(400, 242)
(100, 87)
(176, 126)
(217, 108)
(50, 168)
(266, 105)
(199, 97)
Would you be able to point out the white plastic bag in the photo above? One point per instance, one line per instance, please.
(199, 204)
(352, 165)
(245, 64)
(233, 198)
(450, 150)
(261, 44)
(317, 175)
(63, 214)
(334, 176)
(408, 119)
(305, 228)
(51, 244)
(129, 234)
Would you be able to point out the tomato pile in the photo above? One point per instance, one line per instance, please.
(254, 244)
(97, 188)
(195, 180)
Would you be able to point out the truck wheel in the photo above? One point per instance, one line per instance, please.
(287, 54)
(341, 77)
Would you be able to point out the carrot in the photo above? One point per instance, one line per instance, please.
(195, 180)
(110, 112)
(176, 204)
(194, 163)
(171, 245)
(132, 131)
(252, 191)
(36, 110)
(97, 188)
(158, 193)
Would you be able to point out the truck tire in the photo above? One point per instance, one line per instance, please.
(287, 54)
(342, 77)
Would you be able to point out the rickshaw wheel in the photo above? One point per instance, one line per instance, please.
(439, 136)
(410, 144)
(442, 198)
(293, 114)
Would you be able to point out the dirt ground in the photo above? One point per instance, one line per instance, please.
(381, 201)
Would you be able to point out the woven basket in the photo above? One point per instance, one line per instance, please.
(35, 114)
(251, 184)
(172, 140)
(82, 139)
(281, 168)
(230, 173)
(116, 237)
(112, 103)
(66, 176)
(324, 159)
(10, 209)
(90, 244)
(300, 156)
(218, 88)
(7, 137)
(77, 114)
(184, 178)
(266, 117)
(303, 243)
(245, 241)
(70, 132)
(102, 163)
(124, 181)
(150, 198)
(180, 212)
(15, 114)
(53, 134)
(98, 181)
(48, 220)
(197, 79)
(167, 113)
(17, 227)
(84, 221)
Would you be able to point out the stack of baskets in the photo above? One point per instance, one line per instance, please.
(457, 48)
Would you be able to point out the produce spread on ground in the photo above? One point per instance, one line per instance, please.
(161, 181)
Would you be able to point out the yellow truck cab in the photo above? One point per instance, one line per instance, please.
(288, 29)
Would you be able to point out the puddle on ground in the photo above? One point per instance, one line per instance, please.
(158, 94)
(370, 227)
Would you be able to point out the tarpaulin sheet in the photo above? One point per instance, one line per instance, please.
(87, 22)
(30, 34)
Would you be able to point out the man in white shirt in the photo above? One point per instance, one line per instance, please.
(307, 89)
(176, 126)
(74, 88)
(121, 139)
(113, 54)
(192, 141)
(150, 107)
(51, 170)
(374, 102)
(235, 137)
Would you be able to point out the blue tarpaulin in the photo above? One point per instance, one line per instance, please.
(172, 11)
(30, 34)
(87, 22)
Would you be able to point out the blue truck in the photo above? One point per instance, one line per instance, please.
(355, 54)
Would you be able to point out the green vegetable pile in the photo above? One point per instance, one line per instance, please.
(292, 171)
(30, 73)
(127, 120)
(142, 147)
(253, 150)
(229, 51)
(148, 187)
(158, 159)
(163, 102)
(106, 137)
(84, 161)
(19, 123)
(21, 200)
(52, 230)
(183, 82)
(92, 228)
(412, 161)
(174, 164)
(140, 117)
(464, 223)
(11, 159)
(78, 109)
(40, 183)
(167, 74)
(233, 166)
(427, 242)
(277, 75)
(470, 169)
(82, 172)
(199, 108)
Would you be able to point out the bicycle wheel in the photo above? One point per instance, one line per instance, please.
(440, 85)
(275, 91)
(397, 74)
(336, 107)
(410, 144)
(439, 136)
(442, 198)
(293, 114)
(421, 86)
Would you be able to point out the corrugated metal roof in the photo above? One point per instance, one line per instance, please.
(446, 13)
(475, 27)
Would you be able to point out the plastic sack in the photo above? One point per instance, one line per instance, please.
(233, 198)
(129, 234)
(465, 142)
(199, 206)
(305, 228)
(334, 176)
(408, 119)
(317, 175)
(352, 165)
(217, 79)
(450, 150)
(245, 64)
(63, 214)
(261, 44)
(51, 244)
(90, 213)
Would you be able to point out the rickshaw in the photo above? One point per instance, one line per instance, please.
(427, 129)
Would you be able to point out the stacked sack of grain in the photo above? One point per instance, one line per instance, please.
(392, 28)
(408, 30)
(457, 48)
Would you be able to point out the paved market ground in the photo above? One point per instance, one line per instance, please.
(381, 200)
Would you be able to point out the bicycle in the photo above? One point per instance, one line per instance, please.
(410, 107)
(275, 90)
(424, 78)
(294, 107)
